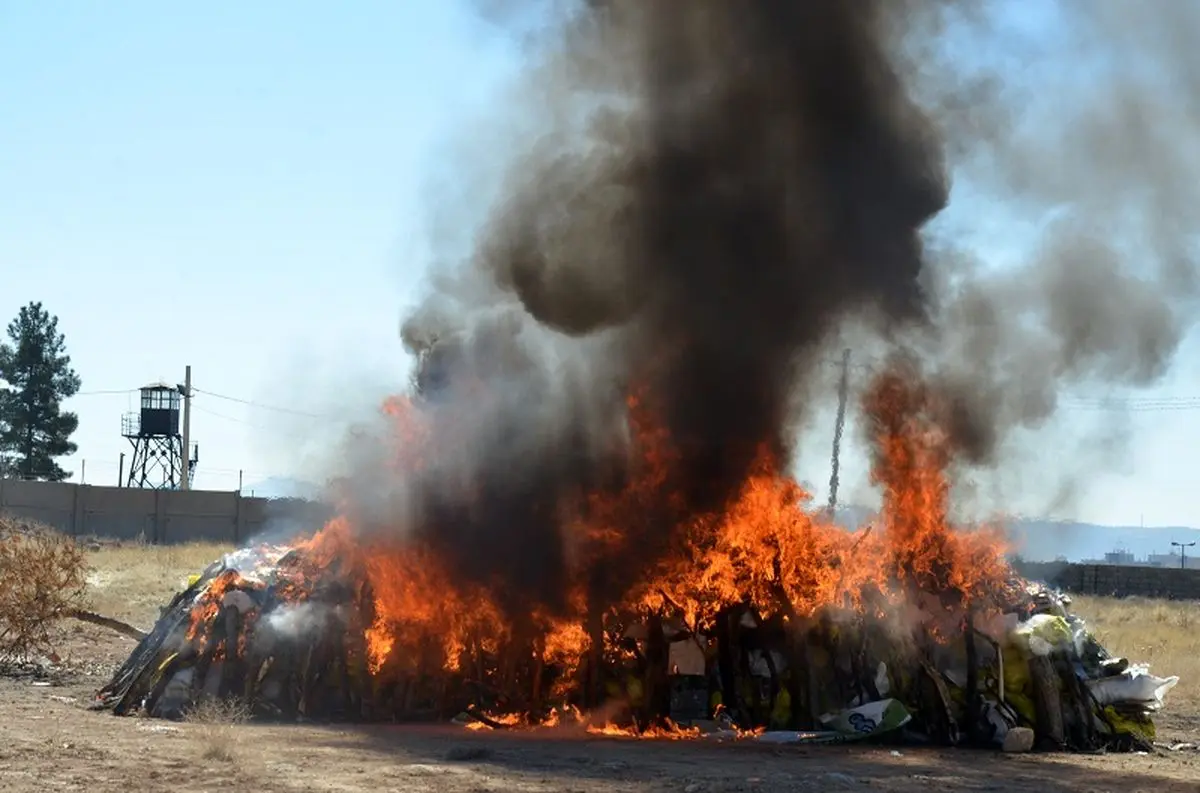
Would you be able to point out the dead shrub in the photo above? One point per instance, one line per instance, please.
(43, 578)
(214, 722)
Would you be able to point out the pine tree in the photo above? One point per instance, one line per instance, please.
(34, 429)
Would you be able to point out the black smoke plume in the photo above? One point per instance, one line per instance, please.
(714, 189)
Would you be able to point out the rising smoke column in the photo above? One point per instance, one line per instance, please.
(747, 175)
(787, 179)
(712, 190)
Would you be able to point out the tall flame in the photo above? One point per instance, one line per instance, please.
(768, 549)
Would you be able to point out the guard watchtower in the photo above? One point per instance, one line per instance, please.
(157, 443)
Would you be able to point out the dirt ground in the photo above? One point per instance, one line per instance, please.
(49, 741)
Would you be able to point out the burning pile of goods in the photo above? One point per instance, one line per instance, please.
(269, 627)
(761, 623)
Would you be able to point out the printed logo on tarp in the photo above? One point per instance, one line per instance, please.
(862, 723)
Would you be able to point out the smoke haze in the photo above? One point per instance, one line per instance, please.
(716, 191)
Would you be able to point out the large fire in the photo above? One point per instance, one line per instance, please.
(769, 551)
(761, 615)
(585, 511)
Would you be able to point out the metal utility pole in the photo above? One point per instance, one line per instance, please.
(185, 479)
(843, 392)
(1183, 546)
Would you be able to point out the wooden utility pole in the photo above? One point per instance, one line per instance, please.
(185, 479)
(843, 393)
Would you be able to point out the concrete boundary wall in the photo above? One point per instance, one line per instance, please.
(182, 516)
(156, 516)
(1107, 580)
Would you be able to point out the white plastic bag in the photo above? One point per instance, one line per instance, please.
(1045, 633)
(1135, 684)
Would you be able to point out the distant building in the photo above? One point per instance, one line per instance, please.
(1172, 560)
(1127, 559)
(1122, 558)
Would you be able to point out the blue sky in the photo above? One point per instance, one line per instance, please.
(235, 186)
(245, 187)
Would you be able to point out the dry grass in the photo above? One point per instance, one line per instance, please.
(132, 582)
(214, 725)
(1164, 634)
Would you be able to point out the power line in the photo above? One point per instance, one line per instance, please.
(105, 392)
(1083, 403)
(1146, 404)
(1135, 404)
(88, 466)
(215, 414)
(226, 397)
(1147, 400)
(259, 405)
(1133, 407)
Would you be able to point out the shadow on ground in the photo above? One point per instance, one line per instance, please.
(702, 766)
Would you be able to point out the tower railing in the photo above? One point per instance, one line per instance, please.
(131, 425)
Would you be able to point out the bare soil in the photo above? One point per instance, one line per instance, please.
(49, 741)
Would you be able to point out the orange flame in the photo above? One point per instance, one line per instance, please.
(767, 549)
(668, 731)
(209, 604)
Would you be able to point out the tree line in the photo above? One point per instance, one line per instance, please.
(35, 378)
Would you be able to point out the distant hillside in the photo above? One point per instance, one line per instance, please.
(1046, 540)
